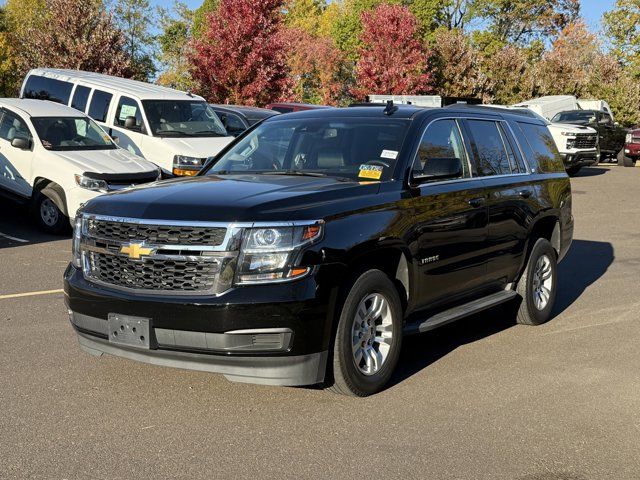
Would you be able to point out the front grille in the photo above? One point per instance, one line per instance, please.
(155, 234)
(585, 140)
(156, 257)
(151, 274)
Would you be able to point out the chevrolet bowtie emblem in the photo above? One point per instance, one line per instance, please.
(135, 250)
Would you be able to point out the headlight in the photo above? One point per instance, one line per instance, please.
(568, 134)
(91, 183)
(186, 166)
(269, 254)
(628, 138)
(78, 226)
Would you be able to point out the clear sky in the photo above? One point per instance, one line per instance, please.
(592, 10)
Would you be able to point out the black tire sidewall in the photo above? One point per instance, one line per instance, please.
(541, 247)
(59, 226)
(371, 281)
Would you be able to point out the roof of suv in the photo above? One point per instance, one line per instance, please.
(40, 108)
(141, 90)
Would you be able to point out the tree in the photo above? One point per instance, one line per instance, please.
(457, 64)
(392, 60)
(622, 25)
(520, 21)
(317, 68)
(174, 47)
(135, 18)
(304, 15)
(240, 56)
(75, 35)
(200, 16)
(508, 76)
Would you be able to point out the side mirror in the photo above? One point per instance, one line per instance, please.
(130, 123)
(115, 139)
(439, 169)
(21, 143)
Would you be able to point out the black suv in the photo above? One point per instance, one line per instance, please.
(307, 248)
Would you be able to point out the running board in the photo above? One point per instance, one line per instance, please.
(461, 311)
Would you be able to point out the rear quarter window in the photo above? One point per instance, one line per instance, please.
(99, 106)
(44, 88)
(540, 148)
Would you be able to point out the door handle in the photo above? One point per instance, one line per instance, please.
(477, 202)
(525, 193)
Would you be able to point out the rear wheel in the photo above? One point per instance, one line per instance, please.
(48, 216)
(625, 161)
(573, 171)
(538, 284)
(368, 337)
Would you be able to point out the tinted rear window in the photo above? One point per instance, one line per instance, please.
(43, 88)
(492, 155)
(543, 155)
(100, 105)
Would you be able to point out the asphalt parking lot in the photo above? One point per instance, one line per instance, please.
(480, 399)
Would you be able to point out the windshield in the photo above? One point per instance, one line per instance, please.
(354, 149)
(182, 118)
(583, 117)
(71, 133)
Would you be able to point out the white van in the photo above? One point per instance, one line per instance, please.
(56, 158)
(550, 105)
(175, 130)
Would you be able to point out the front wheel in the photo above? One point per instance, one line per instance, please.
(538, 285)
(368, 337)
(625, 161)
(49, 217)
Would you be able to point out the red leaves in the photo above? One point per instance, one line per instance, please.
(240, 56)
(392, 59)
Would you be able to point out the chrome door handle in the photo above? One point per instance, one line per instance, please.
(525, 193)
(477, 202)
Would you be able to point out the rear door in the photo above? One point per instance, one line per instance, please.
(450, 221)
(511, 196)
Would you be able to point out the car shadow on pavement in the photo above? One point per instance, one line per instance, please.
(17, 227)
(585, 263)
(592, 172)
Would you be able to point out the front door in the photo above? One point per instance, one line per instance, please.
(15, 163)
(129, 134)
(450, 218)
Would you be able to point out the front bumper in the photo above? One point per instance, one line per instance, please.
(269, 334)
(582, 158)
(632, 150)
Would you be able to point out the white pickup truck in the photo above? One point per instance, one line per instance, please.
(56, 158)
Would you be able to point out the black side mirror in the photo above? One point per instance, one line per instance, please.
(130, 123)
(439, 169)
(21, 143)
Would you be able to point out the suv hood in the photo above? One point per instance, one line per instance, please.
(571, 128)
(106, 161)
(199, 147)
(245, 198)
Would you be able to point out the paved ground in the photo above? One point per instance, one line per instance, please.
(482, 399)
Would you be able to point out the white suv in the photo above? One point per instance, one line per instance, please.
(57, 158)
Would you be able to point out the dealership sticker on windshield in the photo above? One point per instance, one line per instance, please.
(392, 154)
(370, 171)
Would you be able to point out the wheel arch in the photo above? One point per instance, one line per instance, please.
(53, 191)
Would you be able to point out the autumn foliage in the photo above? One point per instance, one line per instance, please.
(392, 59)
(241, 54)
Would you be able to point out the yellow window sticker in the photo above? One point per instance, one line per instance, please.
(370, 171)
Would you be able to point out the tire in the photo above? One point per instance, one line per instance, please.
(354, 371)
(48, 216)
(534, 310)
(573, 171)
(624, 161)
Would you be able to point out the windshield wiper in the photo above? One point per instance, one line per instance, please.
(302, 173)
(209, 132)
(164, 133)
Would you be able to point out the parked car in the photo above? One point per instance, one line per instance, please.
(236, 119)
(306, 251)
(611, 136)
(288, 107)
(175, 130)
(56, 158)
(631, 152)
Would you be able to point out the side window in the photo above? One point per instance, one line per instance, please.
(232, 122)
(99, 105)
(44, 88)
(441, 139)
(492, 156)
(517, 165)
(544, 152)
(80, 97)
(606, 119)
(12, 126)
(128, 107)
